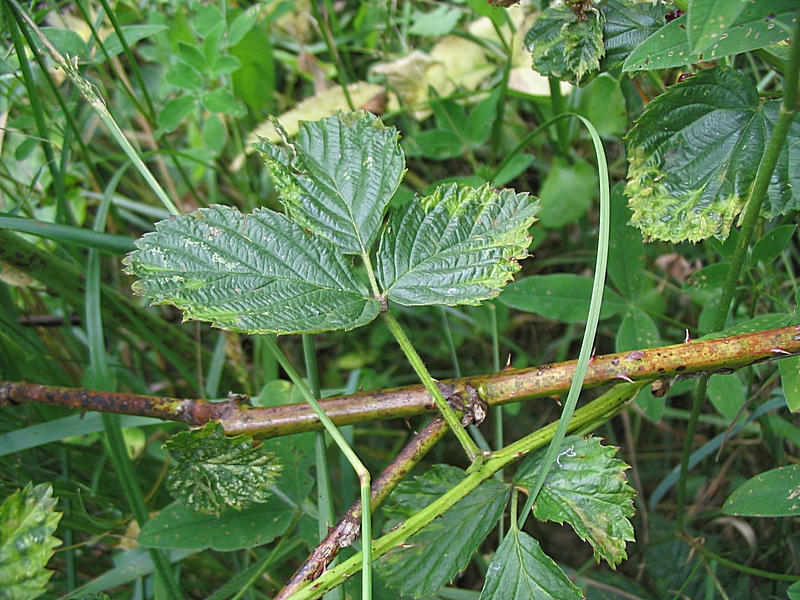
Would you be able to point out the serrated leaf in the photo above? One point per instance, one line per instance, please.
(586, 488)
(564, 44)
(27, 523)
(708, 21)
(458, 246)
(520, 570)
(215, 472)
(179, 527)
(256, 273)
(435, 555)
(628, 24)
(760, 24)
(774, 493)
(694, 154)
(338, 176)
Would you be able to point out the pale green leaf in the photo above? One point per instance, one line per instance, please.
(338, 177)
(256, 273)
(179, 527)
(775, 493)
(694, 154)
(435, 555)
(708, 21)
(566, 44)
(759, 25)
(567, 192)
(458, 246)
(215, 473)
(586, 488)
(27, 524)
(520, 570)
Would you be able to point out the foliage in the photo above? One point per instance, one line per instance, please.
(421, 214)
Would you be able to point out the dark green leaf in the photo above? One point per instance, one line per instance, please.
(603, 103)
(482, 118)
(694, 154)
(726, 393)
(564, 45)
(628, 24)
(759, 25)
(708, 21)
(775, 493)
(458, 246)
(254, 83)
(567, 192)
(338, 177)
(790, 381)
(512, 169)
(27, 524)
(626, 264)
(216, 473)
(439, 552)
(520, 570)
(257, 273)
(586, 488)
(563, 297)
(179, 527)
(709, 279)
(174, 112)
(437, 144)
(637, 330)
(772, 245)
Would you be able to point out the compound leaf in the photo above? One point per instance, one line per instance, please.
(520, 570)
(256, 273)
(27, 523)
(435, 555)
(216, 472)
(566, 44)
(458, 246)
(586, 488)
(179, 527)
(338, 176)
(759, 25)
(694, 154)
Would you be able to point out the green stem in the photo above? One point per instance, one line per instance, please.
(752, 210)
(429, 383)
(358, 466)
(590, 416)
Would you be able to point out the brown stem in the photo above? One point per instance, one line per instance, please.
(720, 355)
(347, 530)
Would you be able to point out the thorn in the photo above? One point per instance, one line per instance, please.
(624, 377)
(687, 338)
(593, 356)
(508, 362)
(780, 351)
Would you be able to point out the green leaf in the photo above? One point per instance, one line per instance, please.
(243, 23)
(790, 381)
(66, 41)
(603, 103)
(628, 24)
(436, 144)
(586, 488)
(775, 493)
(174, 112)
(179, 527)
(27, 524)
(772, 245)
(222, 100)
(520, 570)
(257, 273)
(565, 46)
(435, 555)
(727, 395)
(694, 154)
(759, 25)
(563, 297)
(709, 20)
(132, 33)
(567, 192)
(225, 64)
(458, 246)
(186, 77)
(338, 177)
(193, 56)
(215, 472)
(637, 330)
(626, 263)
